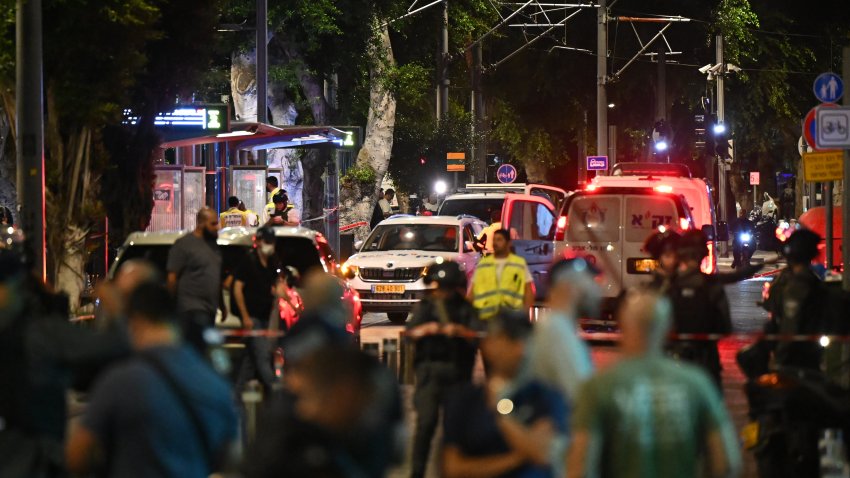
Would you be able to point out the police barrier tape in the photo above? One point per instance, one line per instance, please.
(590, 336)
(614, 336)
(353, 226)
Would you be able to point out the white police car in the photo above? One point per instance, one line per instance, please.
(390, 265)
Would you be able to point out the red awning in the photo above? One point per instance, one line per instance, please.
(258, 136)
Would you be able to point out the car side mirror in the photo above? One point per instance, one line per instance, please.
(358, 245)
(468, 246)
(722, 231)
(708, 230)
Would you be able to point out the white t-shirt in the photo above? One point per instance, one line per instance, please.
(385, 206)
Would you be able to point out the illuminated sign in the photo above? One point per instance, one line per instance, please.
(353, 137)
(186, 121)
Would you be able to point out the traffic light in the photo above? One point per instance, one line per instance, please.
(422, 160)
(699, 131)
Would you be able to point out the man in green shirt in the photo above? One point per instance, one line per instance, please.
(649, 416)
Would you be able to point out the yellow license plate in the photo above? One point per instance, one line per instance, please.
(645, 265)
(388, 289)
(750, 435)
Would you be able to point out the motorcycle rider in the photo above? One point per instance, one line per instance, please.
(700, 306)
(799, 303)
(742, 249)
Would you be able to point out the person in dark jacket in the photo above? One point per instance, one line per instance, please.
(442, 328)
(662, 247)
(700, 306)
(799, 303)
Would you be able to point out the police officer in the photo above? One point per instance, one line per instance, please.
(662, 247)
(700, 306)
(502, 280)
(442, 328)
(799, 303)
(233, 217)
(742, 225)
(281, 213)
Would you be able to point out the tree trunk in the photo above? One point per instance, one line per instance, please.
(8, 181)
(70, 269)
(315, 160)
(535, 171)
(357, 201)
(243, 85)
(284, 113)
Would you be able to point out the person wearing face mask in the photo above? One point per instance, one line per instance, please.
(253, 281)
(194, 277)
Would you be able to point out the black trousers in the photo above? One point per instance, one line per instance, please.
(193, 323)
(434, 380)
(257, 360)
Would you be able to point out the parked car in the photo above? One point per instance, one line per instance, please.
(389, 268)
(529, 211)
(301, 248)
(608, 227)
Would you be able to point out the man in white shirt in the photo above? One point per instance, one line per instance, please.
(431, 203)
(385, 203)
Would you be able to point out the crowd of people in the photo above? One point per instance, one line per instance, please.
(156, 406)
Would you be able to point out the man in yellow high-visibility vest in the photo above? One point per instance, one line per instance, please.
(233, 217)
(502, 280)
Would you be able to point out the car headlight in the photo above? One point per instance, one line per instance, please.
(746, 237)
(349, 271)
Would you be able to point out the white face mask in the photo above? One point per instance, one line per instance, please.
(266, 249)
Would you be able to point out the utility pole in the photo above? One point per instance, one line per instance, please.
(721, 161)
(845, 196)
(29, 105)
(661, 95)
(444, 66)
(601, 79)
(262, 68)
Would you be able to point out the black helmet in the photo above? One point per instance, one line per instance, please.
(660, 242)
(692, 245)
(447, 275)
(802, 246)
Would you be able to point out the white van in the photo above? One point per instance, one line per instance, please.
(673, 178)
(608, 227)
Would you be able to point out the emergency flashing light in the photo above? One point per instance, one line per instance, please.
(661, 146)
(663, 188)
(591, 187)
(719, 128)
(440, 187)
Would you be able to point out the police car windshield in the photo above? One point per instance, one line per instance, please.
(480, 208)
(422, 237)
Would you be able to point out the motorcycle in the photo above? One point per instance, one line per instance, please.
(764, 217)
(743, 248)
(796, 416)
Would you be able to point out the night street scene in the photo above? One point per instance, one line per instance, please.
(424, 238)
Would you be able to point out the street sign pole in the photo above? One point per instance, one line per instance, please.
(827, 190)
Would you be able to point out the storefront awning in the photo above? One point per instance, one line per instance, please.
(260, 136)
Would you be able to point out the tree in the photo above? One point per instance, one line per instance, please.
(100, 57)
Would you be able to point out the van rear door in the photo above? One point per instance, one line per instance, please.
(644, 214)
(593, 231)
(531, 221)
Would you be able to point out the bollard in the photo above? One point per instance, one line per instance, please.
(251, 397)
(390, 355)
(371, 348)
(407, 377)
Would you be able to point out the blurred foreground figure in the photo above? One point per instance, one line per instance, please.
(162, 413)
(339, 417)
(40, 350)
(649, 416)
(506, 427)
(442, 328)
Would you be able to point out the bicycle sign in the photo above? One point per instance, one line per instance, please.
(833, 128)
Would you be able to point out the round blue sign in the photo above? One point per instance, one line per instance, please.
(506, 173)
(828, 88)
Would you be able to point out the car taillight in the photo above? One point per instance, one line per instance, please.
(684, 224)
(591, 187)
(561, 229)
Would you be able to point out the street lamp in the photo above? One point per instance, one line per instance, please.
(719, 128)
(440, 187)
